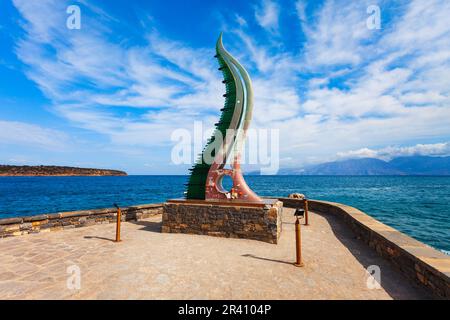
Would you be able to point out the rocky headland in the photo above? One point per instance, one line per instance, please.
(7, 170)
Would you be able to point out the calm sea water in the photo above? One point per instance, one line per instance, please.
(417, 206)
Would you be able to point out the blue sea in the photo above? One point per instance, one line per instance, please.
(417, 206)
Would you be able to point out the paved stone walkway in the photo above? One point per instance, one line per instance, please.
(152, 265)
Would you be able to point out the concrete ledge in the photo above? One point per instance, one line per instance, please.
(74, 219)
(418, 261)
(10, 221)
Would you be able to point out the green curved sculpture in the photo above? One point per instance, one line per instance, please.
(205, 181)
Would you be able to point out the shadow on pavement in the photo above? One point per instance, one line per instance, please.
(101, 238)
(392, 281)
(266, 259)
(149, 225)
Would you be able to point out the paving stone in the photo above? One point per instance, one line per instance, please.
(148, 264)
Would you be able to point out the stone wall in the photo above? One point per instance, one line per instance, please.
(257, 223)
(417, 261)
(75, 219)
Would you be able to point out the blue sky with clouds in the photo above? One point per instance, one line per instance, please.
(110, 94)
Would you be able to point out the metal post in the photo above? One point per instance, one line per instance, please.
(306, 212)
(298, 243)
(119, 219)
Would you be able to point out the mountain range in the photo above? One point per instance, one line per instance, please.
(411, 165)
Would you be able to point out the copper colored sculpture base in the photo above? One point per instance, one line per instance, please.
(240, 192)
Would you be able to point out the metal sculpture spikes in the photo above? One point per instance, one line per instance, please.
(225, 146)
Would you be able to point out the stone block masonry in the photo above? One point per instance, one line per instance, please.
(65, 220)
(231, 221)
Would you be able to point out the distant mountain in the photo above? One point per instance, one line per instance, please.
(357, 167)
(6, 170)
(413, 165)
(421, 165)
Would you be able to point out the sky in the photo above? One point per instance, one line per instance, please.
(111, 93)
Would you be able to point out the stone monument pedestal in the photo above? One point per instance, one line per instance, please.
(258, 221)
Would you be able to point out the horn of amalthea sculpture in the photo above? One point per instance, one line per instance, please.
(226, 144)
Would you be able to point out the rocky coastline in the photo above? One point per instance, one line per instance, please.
(15, 171)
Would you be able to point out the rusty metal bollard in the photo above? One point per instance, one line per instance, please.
(119, 220)
(298, 240)
(305, 205)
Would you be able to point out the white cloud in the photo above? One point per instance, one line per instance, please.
(436, 149)
(300, 6)
(162, 75)
(389, 92)
(423, 25)
(240, 20)
(338, 35)
(360, 153)
(31, 135)
(267, 14)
